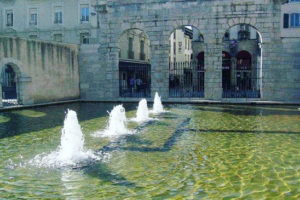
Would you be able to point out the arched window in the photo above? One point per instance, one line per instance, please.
(200, 59)
(243, 60)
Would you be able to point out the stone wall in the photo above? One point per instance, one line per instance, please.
(46, 72)
(159, 18)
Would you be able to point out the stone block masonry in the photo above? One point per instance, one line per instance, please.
(45, 71)
(158, 18)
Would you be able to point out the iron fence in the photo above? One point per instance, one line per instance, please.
(134, 79)
(186, 79)
(243, 84)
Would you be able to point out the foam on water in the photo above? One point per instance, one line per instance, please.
(157, 105)
(71, 150)
(117, 123)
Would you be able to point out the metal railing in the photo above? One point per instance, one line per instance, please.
(134, 79)
(186, 79)
(243, 84)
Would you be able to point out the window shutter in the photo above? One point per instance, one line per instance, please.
(286, 20)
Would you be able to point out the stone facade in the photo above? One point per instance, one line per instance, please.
(45, 72)
(159, 18)
(70, 29)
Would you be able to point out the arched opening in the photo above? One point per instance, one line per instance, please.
(242, 62)
(134, 64)
(186, 62)
(9, 86)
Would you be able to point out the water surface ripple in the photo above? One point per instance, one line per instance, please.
(191, 152)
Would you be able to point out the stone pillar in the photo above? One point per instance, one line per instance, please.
(160, 67)
(113, 72)
(213, 72)
(23, 91)
(108, 70)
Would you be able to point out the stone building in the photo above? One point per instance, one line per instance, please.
(273, 45)
(68, 21)
(181, 45)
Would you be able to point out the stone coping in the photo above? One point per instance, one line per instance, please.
(20, 107)
(197, 101)
(168, 101)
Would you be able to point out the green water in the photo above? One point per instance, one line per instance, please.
(191, 152)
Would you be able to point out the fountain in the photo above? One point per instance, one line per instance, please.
(71, 150)
(142, 113)
(157, 105)
(116, 124)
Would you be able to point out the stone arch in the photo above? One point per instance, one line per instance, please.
(21, 77)
(186, 73)
(141, 31)
(243, 20)
(244, 83)
(134, 63)
(173, 25)
(127, 26)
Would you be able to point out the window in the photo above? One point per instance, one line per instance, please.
(130, 44)
(32, 17)
(142, 50)
(58, 15)
(286, 20)
(57, 37)
(295, 20)
(130, 48)
(226, 36)
(142, 46)
(9, 18)
(179, 47)
(174, 49)
(84, 13)
(84, 38)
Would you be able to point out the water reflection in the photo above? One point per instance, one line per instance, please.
(193, 152)
(26, 121)
(72, 181)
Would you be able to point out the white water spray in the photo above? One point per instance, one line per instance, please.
(72, 140)
(71, 150)
(117, 124)
(157, 106)
(142, 113)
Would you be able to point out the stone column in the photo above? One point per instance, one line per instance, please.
(160, 67)
(23, 91)
(113, 72)
(108, 69)
(213, 72)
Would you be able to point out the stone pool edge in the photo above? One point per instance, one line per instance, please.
(168, 101)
